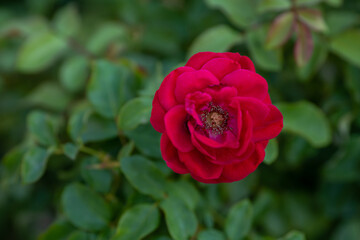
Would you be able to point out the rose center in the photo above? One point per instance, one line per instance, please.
(215, 119)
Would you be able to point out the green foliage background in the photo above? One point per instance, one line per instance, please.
(79, 159)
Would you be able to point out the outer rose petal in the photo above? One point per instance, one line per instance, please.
(244, 61)
(238, 171)
(190, 82)
(221, 66)
(170, 155)
(271, 127)
(256, 108)
(199, 165)
(166, 91)
(199, 59)
(157, 115)
(248, 83)
(176, 129)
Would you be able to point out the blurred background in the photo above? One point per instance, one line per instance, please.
(54, 123)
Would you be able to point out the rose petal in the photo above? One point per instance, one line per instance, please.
(194, 102)
(176, 129)
(199, 59)
(221, 95)
(272, 126)
(246, 63)
(170, 155)
(166, 91)
(190, 82)
(247, 83)
(221, 66)
(198, 165)
(157, 115)
(257, 109)
(238, 171)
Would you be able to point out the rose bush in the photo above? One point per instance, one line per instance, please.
(216, 117)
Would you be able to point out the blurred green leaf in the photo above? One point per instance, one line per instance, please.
(67, 21)
(85, 126)
(307, 120)
(146, 139)
(348, 230)
(313, 18)
(280, 30)
(134, 112)
(34, 164)
(107, 90)
(304, 45)
(49, 95)
(40, 51)
(338, 21)
(211, 234)
(215, 39)
(105, 35)
(70, 150)
(273, 5)
(181, 221)
(144, 176)
(294, 235)
(267, 59)
(344, 166)
(345, 44)
(334, 3)
(271, 152)
(352, 82)
(43, 127)
(137, 222)
(126, 150)
(84, 208)
(239, 220)
(241, 12)
(184, 191)
(80, 235)
(302, 3)
(74, 73)
(98, 179)
(59, 230)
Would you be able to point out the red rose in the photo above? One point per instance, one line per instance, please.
(216, 117)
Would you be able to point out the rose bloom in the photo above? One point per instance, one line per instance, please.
(216, 117)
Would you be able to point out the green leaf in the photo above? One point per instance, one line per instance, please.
(304, 45)
(184, 191)
(215, 39)
(294, 235)
(135, 112)
(146, 139)
(338, 21)
(334, 3)
(107, 90)
(239, 219)
(211, 234)
(34, 164)
(70, 150)
(352, 82)
(345, 46)
(144, 176)
(80, 235)
(344, 166)
(67, 21)
(49, 95)
(59, 230)
(40, 51)
(301, 3)
(267, 59)
(241, 12)
(349, 230)
(313, 18)
(73, 73)
(84, 208)
(126, 150)
(43, 127)
(98, 179)
(271, 152)
(85, 126)
(307, 120)
(181, 221)
(137, 222)
(273, 5)
(105, 35)
(280, 30)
